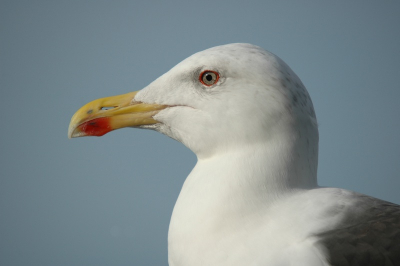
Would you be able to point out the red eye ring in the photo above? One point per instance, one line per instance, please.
(209, 77)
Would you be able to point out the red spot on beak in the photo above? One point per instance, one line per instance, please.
(96, 127)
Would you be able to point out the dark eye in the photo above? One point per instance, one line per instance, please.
(209, 77)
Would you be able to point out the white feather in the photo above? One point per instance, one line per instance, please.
(252, 198)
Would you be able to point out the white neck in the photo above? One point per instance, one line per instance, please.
(221, 191)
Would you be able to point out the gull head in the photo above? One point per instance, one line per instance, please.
(214, 101)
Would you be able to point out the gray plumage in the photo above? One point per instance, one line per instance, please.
(368, 237)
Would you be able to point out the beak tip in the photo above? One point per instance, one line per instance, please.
(70, 135)
(74, 132)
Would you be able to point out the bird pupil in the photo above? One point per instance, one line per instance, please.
(209, 77)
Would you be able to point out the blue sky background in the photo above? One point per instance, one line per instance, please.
(108, 201)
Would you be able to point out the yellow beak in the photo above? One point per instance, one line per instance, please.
(106, 114)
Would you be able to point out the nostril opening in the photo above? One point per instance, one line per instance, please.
(105, 108)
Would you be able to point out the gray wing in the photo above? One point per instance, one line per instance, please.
(369, 239)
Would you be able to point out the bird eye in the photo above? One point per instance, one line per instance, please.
(209, 77)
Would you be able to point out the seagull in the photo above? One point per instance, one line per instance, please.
(253, 197)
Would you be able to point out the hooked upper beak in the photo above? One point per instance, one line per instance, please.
(106, 114)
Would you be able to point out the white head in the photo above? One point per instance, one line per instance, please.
(256, 96)
(251, 98)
